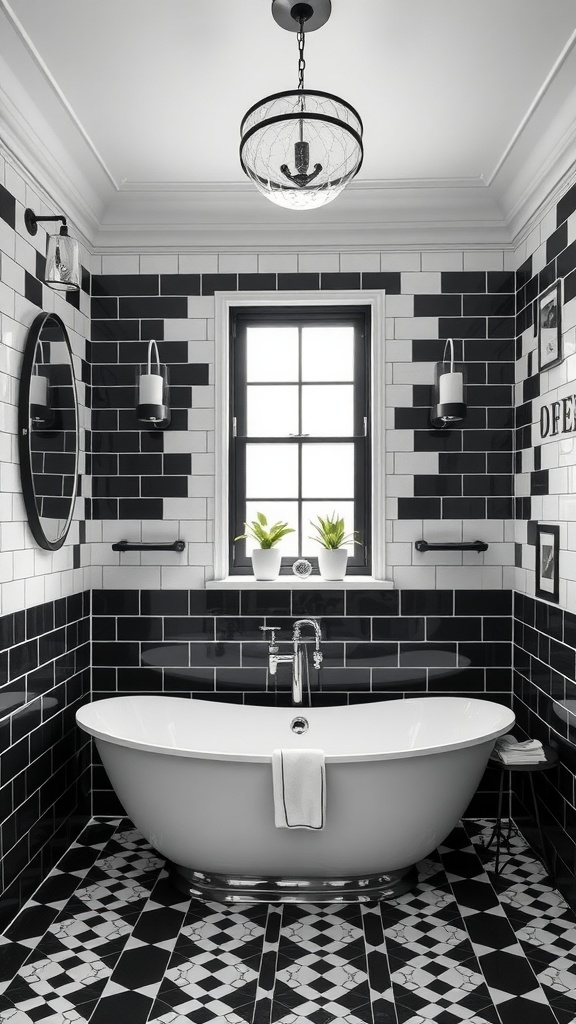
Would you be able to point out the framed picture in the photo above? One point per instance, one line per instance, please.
(549, 316)
(547, 548)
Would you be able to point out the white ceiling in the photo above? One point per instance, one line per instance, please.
(133, 107)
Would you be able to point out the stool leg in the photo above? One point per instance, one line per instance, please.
(499, 824)
(539, 825)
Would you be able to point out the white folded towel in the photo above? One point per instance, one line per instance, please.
(299, 779)
(509, 750)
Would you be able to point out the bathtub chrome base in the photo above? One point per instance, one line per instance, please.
(237, 889)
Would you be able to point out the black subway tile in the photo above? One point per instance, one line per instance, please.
(427, 602)
(125, 284)
(7, 207)
(218, 283)
(389, 281)
(257, 282)
(463, 281)
(154, 306)
(340, 281)
(180, 284)
(297, 282)
(557, 241)
(438, 305)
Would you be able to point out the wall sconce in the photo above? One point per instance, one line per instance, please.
(152, 385)
(448, 405)
(62, 255)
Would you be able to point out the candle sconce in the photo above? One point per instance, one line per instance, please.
(41, 413)
(449, 405)
(152, 384)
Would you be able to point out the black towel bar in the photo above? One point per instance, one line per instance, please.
(128, 545)
(475, 545)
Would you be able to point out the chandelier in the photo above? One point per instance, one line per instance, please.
(301, 147)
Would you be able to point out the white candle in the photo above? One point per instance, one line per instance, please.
(151, 389)
(38, 390)
(451, 389)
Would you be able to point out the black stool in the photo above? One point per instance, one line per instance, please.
(497, 832)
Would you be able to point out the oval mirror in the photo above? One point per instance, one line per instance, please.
(48, 431)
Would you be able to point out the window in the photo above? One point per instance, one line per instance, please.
(264, 406)
(300, 438)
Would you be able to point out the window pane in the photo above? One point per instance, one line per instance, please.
(328, 353)
(271, 471)
(328, 471)
(328, 409)
(272, 353)
(272, 411)
(276, 511)
(312, 509)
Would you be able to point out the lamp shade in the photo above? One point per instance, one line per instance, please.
(301, 147)
(63, 263)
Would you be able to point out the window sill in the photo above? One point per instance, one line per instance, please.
(293, 583)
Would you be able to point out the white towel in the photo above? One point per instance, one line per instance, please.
(509, 750)
(299, 779)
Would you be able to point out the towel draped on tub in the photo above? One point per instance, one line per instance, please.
(299, 779)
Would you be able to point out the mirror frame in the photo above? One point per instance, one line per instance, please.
(26, 475)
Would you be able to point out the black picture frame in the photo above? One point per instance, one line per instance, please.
(547, 555)
(549, 320)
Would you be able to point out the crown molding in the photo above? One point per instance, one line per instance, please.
(45, 137)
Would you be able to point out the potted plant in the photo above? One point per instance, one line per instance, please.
(267, 557)
(333, 555)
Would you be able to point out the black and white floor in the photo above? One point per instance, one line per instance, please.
(106, 939)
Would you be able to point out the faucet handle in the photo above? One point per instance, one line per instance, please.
(273, 630)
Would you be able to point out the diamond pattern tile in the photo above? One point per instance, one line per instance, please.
(106, 937)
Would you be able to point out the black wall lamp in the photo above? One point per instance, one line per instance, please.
(448, 405)
(152, 402)
(62, 255)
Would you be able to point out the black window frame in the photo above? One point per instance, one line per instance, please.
(241, 318)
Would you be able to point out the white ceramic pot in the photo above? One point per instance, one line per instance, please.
(332, 563)
(266, 563)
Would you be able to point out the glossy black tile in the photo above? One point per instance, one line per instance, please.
(463, 281)
(438, 305)
(180, 284)
(219, 283)
(257, 282)
(7, 207)
(372, 602)
(389, 281)
(340, 281)
(298, 282)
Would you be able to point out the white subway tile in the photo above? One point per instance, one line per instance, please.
(428, 283)
(484, 259)
(443, 260)
(238, 263)
(318, 262)
(198, 263)
(360, 262)
(159, 264)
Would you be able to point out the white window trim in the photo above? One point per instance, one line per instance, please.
(224, 302)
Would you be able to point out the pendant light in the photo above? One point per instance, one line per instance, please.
(301, 147)
(63, 271)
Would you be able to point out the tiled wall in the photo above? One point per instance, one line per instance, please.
(44, 651)
(442, 485)
(376, 644)
(545, 633)
(44, 759)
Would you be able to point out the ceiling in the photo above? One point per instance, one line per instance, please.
(131, 109)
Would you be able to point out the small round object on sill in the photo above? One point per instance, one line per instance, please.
(302, 568)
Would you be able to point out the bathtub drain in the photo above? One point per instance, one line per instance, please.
(299, 725)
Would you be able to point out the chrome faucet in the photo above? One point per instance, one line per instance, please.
(295, 659)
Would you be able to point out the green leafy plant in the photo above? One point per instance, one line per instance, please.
(331, 532)
(266, 536)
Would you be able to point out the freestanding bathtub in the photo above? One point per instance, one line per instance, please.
(196, 778)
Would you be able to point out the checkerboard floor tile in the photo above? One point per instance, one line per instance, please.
(106, 938)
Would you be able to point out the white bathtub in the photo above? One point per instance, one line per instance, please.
(196, 778)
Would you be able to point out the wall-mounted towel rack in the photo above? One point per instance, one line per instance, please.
(474, 545)
(128, 545)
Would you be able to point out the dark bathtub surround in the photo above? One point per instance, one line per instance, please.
(44, 759)
(544, 699)
(376, 645)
